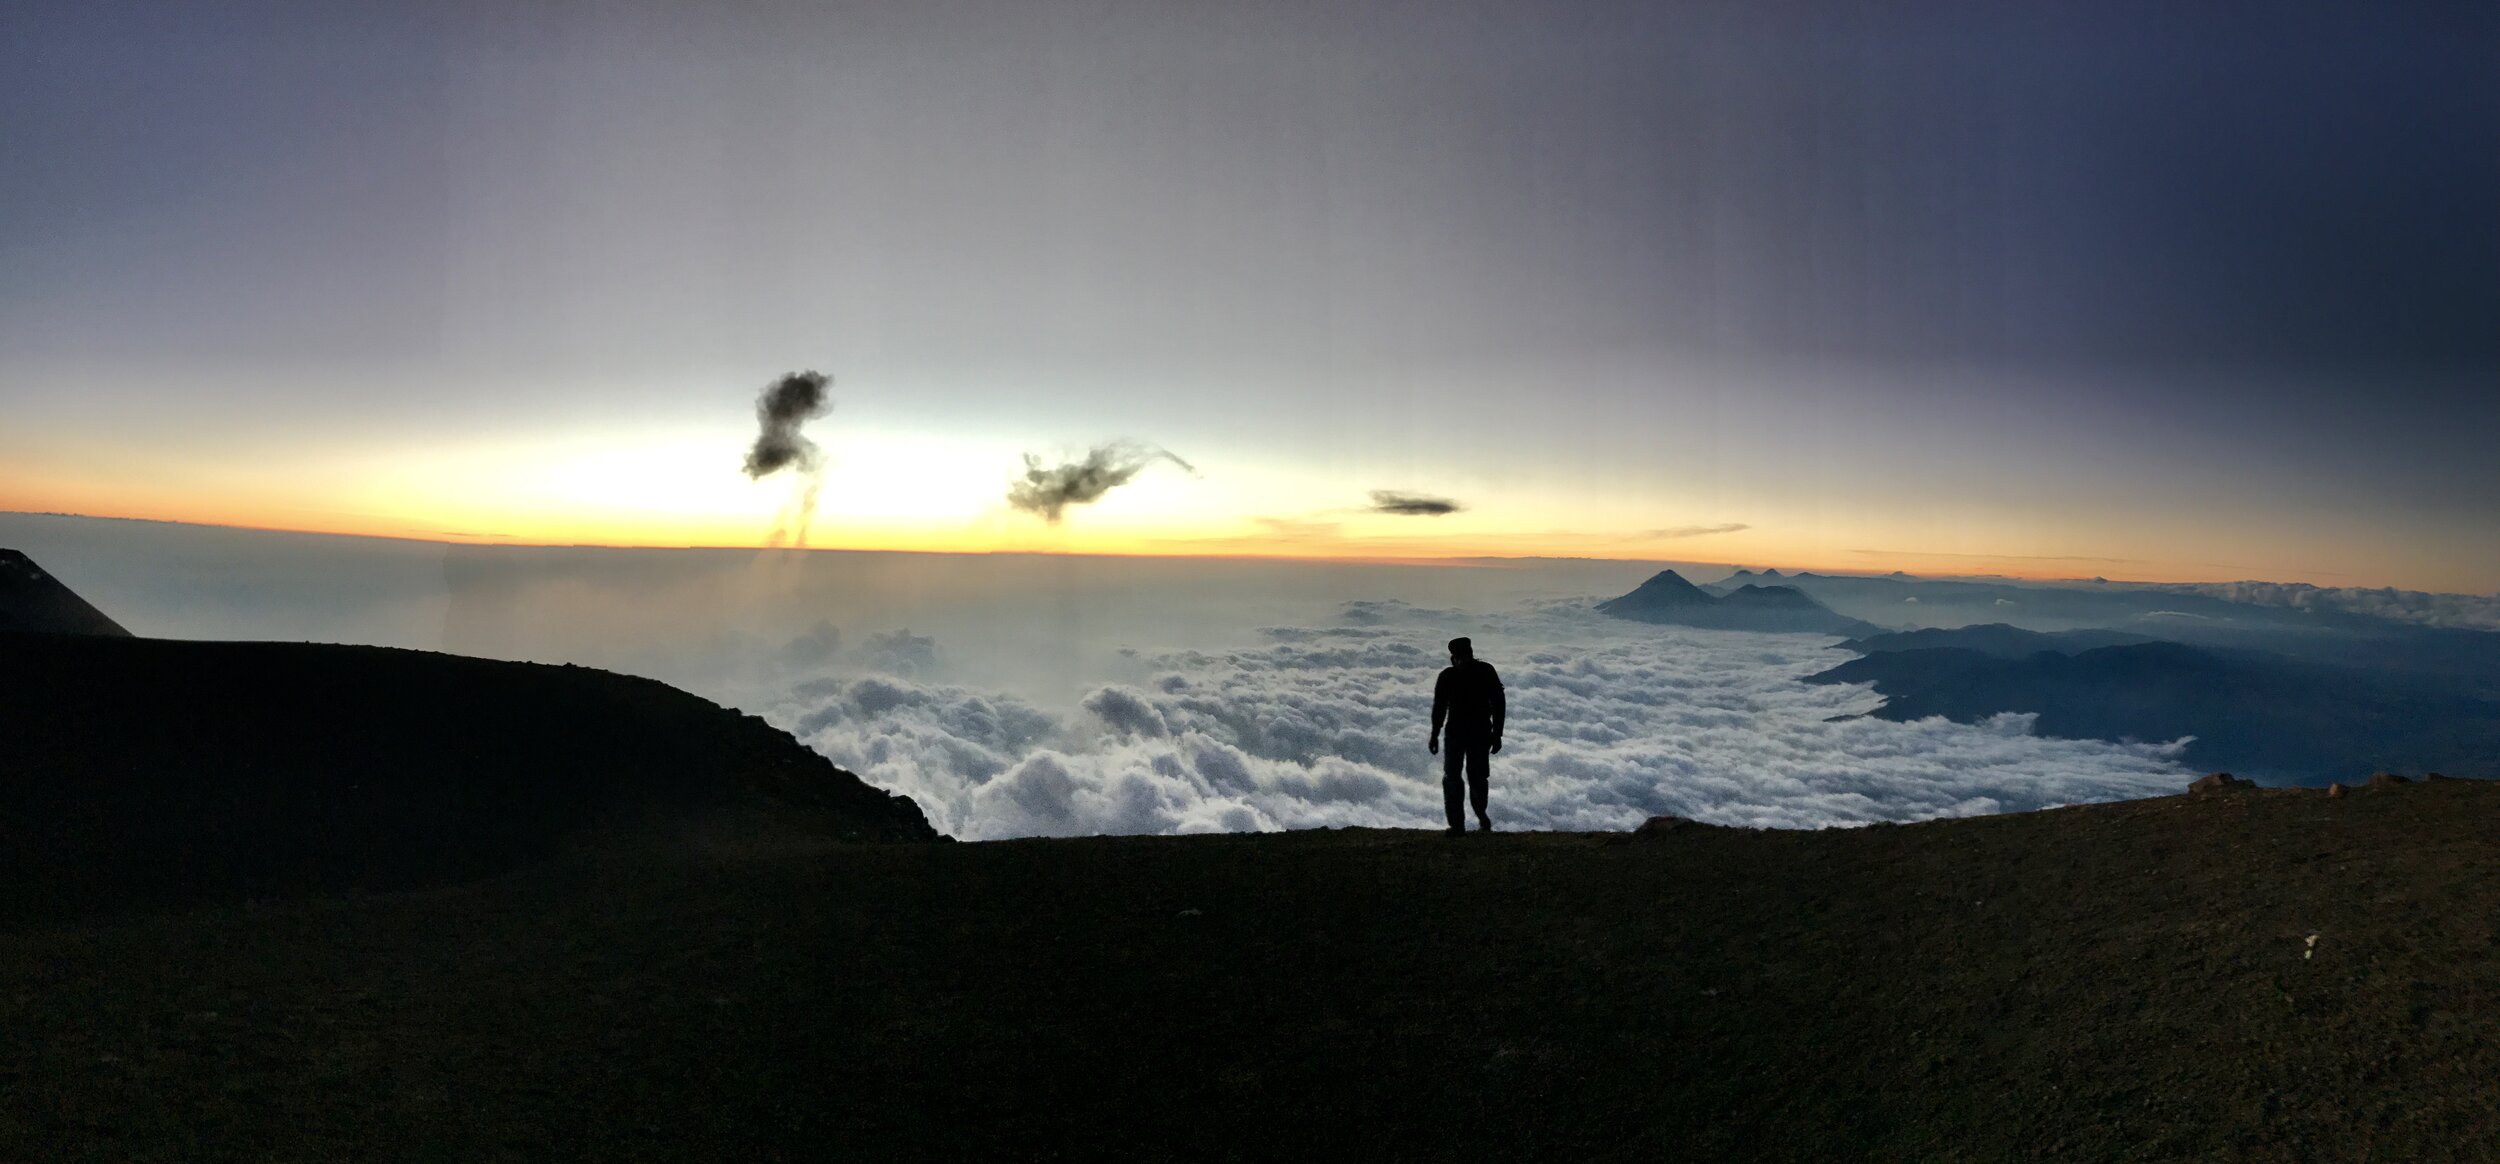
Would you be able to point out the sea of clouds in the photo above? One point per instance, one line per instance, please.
(1610, 722)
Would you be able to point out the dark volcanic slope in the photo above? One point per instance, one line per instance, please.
(151, 769)
(2114, 982)
(2266, 716)
(33, 600)
(1998, 639)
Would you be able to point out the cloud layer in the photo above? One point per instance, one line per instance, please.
(1324, 726)
(2462, 611)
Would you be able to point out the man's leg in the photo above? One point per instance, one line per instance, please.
(1452, 789)
(1479, 782)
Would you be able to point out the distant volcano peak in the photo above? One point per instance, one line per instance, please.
(1664, 588)
(1668, 598)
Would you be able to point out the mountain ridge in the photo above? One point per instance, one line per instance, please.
(1667, 598)
(162, 770)
(33, 601)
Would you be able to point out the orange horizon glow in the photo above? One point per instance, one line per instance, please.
(1455, 552)
(669, 486)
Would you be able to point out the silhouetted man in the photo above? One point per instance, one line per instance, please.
(1468, 696)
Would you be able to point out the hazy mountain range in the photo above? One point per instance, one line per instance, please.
(2268, 716)
(2226, 618)
(2285, 693)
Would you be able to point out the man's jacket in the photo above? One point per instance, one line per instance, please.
(1470, 697)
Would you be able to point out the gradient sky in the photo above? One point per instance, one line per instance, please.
(2099, 288)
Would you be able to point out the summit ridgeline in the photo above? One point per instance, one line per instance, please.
(159, 771)
(32, 600)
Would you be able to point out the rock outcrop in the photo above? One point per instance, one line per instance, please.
(2219, 784)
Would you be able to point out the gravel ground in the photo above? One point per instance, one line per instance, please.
(2272, 975)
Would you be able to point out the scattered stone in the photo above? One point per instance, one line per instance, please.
(2334, 790)
(2386, 780)
(2220, 783)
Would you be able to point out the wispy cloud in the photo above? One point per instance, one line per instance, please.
(1412, 504)
(1995, 557)
(1696, 531)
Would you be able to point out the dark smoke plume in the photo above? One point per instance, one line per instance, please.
(787, 403)
(1412, 504)
(1048, 492)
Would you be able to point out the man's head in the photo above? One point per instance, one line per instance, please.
(1461, 650)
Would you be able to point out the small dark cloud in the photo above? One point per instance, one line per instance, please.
(1412, 504)
(1047, 492)
(1696, 531)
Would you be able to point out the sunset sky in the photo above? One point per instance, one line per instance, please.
(2112, 289)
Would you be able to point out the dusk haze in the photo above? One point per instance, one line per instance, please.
(1007, 579)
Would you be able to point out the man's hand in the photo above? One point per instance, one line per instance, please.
(1433, 745)
(1497, 746)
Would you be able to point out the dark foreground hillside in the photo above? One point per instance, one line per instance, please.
(139, 771)
(2129, 981)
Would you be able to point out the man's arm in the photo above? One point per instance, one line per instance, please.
(1500, 707)
(1440, 709)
